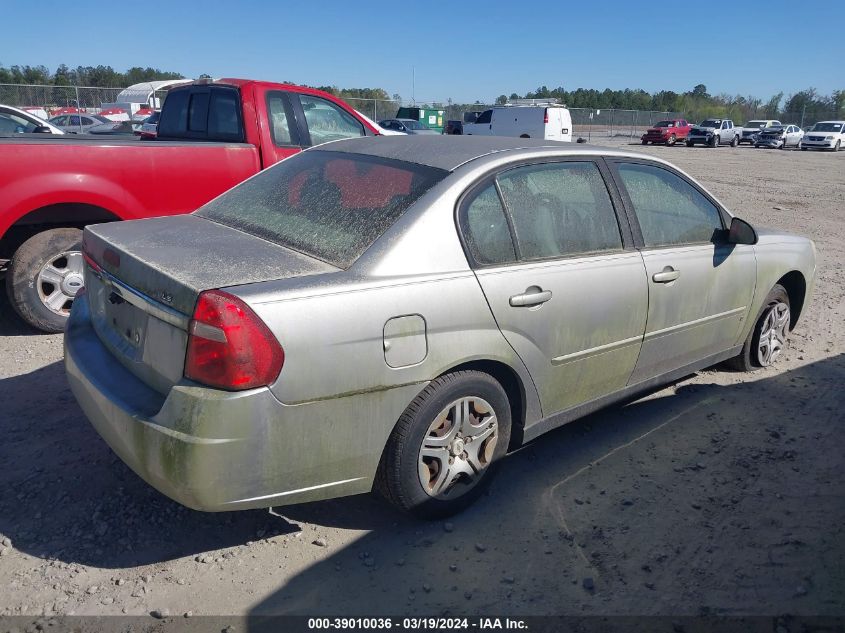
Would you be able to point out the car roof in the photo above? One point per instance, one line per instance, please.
(449, 152)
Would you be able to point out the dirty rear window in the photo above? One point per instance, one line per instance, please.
(329, 205)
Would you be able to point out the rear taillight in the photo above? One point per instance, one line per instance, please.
(546, 115)
(229, 347)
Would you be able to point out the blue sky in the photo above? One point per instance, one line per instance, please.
(475, 51)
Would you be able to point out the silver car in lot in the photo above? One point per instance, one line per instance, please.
(397, 313)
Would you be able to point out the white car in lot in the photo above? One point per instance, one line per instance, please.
(825, 135)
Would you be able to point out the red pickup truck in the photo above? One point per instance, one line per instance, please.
(669, 132)
(211, 136)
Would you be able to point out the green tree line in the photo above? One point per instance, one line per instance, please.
(696, 104)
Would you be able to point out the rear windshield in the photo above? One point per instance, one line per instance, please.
(329, 205)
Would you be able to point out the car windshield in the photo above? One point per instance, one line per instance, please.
(827, 127)
(101, 118)
(664, 124)
(755, 124)
(711, 123)
(414, 125)
(329, 205)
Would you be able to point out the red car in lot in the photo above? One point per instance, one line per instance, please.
(669, 132)
(211, 136)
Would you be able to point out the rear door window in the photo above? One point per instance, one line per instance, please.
(329, 205)
(282, 120)
(560, 209)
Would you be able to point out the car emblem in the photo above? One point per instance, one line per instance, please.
(166, 297)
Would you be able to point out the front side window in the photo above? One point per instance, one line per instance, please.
(328, 122)
(13, 124)
(669, 209)
(560, 209)
(329, 205)
(485, 229)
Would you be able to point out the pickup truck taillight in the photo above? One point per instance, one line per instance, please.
(546, 115)
(229, 347)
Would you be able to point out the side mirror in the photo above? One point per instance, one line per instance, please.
(42, 129)
(741, 232)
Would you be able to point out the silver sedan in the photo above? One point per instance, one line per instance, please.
(397, 313)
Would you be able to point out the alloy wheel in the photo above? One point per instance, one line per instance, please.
(59, 280)
(773, 334)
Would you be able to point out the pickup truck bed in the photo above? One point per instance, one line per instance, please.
(211, 136)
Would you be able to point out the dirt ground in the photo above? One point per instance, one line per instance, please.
(721, 494)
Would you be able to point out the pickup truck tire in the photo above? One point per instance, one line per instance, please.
(715, 141)
(735, 142)
(43, 277)
(671, 141)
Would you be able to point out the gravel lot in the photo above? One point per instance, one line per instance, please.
(722, 494)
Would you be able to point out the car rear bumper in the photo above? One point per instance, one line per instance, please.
(213, 450)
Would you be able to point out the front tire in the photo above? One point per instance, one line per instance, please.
(837, 147)
(767, 338)
(671, 141)
(44, 275)
(445, 449)
(689, 143)
(715, 141)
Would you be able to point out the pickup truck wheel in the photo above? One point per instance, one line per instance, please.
(715, 141)
(735, 141)
(44, 276)
(671, 141)
(446, 447)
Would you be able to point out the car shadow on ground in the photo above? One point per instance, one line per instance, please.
(701, 498)
(65, 496)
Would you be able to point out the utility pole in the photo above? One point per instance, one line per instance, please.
(803, 110)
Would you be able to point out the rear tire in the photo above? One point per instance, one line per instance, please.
(430, 466)
(735, 141)
(645, 142)
(43, 277)
(772, 328)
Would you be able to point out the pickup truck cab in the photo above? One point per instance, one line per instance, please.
(752, 128)
(669, 132)
(211, 136)
(551, 122)
(714, 132)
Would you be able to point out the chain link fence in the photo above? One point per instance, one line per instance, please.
(49, 100)
(587, 123)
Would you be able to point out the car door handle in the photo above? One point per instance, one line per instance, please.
(531, 297)
(668, 275)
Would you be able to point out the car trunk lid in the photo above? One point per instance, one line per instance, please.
(143, 279)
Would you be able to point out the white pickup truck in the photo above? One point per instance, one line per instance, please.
(714, 132)
(548, 121)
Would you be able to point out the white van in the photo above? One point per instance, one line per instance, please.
(551, 122)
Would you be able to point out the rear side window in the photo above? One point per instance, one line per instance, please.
(485, 229)
(669, 209)
(282, 119)
(329, 205)
(202, 113)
